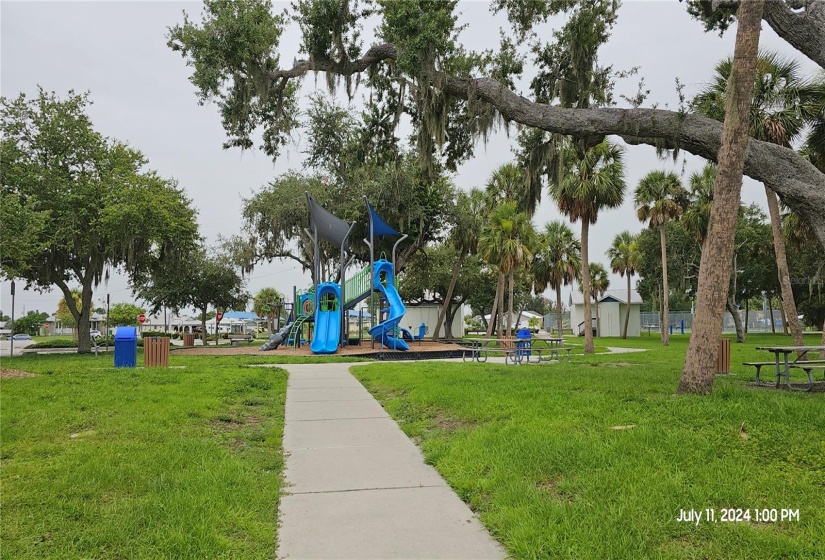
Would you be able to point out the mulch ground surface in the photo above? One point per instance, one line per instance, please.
(354, 350)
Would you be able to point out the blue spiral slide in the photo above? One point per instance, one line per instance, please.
(384, 332)
(327, 319)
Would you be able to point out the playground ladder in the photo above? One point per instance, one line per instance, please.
(295, 331)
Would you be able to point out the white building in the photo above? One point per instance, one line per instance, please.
(523, 320)
(427, 313)
(612, 309)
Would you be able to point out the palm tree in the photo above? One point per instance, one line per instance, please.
(696, 214)
(813, 110)
(491, 247)
(714, 269)
(558, 262)
(268, 302)
(777, 115)
(599, 282)
(507, 183)
(469, 218)
(507, 241)
(696, 218)
(594, 180)
(660, 198)
(625, 258)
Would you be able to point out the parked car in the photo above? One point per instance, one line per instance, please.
(94, 333)
(21, 336)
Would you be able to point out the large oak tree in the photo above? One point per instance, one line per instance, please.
(453, 96)
(89, 202)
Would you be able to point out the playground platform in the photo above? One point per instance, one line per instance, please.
(427, 350)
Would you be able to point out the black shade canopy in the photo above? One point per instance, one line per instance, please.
(328, 226)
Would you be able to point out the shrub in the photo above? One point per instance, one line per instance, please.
(144, 334)
(56, 343)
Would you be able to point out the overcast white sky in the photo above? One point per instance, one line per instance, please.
(141, 94)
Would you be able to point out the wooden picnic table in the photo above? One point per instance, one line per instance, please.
(783, 365)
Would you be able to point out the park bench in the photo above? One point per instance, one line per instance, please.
(237, 338)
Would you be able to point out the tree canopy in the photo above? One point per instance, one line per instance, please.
(454, 96)
(200, 280)
(89, 203)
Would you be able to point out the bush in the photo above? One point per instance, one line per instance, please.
(144, 334)
(56, 343)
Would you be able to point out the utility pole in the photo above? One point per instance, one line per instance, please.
(11, 336)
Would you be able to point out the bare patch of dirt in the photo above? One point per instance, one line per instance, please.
(450, 425)
(551, 487)
(14, 373)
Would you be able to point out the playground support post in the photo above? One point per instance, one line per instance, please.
(394, 247)
(343, 277)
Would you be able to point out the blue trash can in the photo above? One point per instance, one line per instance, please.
(523, 337)
(126, 347)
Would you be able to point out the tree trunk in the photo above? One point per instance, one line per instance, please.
(510, 304)
(81, 316)
(203, 326)
(665, 290)
(449, 295)
(448, 321)
(661, 312)
(493, 314)
(716, 261)
(588, 312)
(737, 320)
(559, 321)
(598, 319)
(770, 307)
(500, 315)
(782, 269)
(627, 310)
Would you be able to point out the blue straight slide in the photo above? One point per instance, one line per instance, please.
(383, 332)
(327, 319)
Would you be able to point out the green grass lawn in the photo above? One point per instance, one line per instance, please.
(100, 462)
(531, 449)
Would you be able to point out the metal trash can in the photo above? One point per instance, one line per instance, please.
(723, 361)
(126, 347)
(523, 337)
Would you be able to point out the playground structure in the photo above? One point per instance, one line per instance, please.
(322, 313)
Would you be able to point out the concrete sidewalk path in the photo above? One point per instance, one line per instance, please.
(356, 486)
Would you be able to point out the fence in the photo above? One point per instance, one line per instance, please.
(550, 322)
(758, 321)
